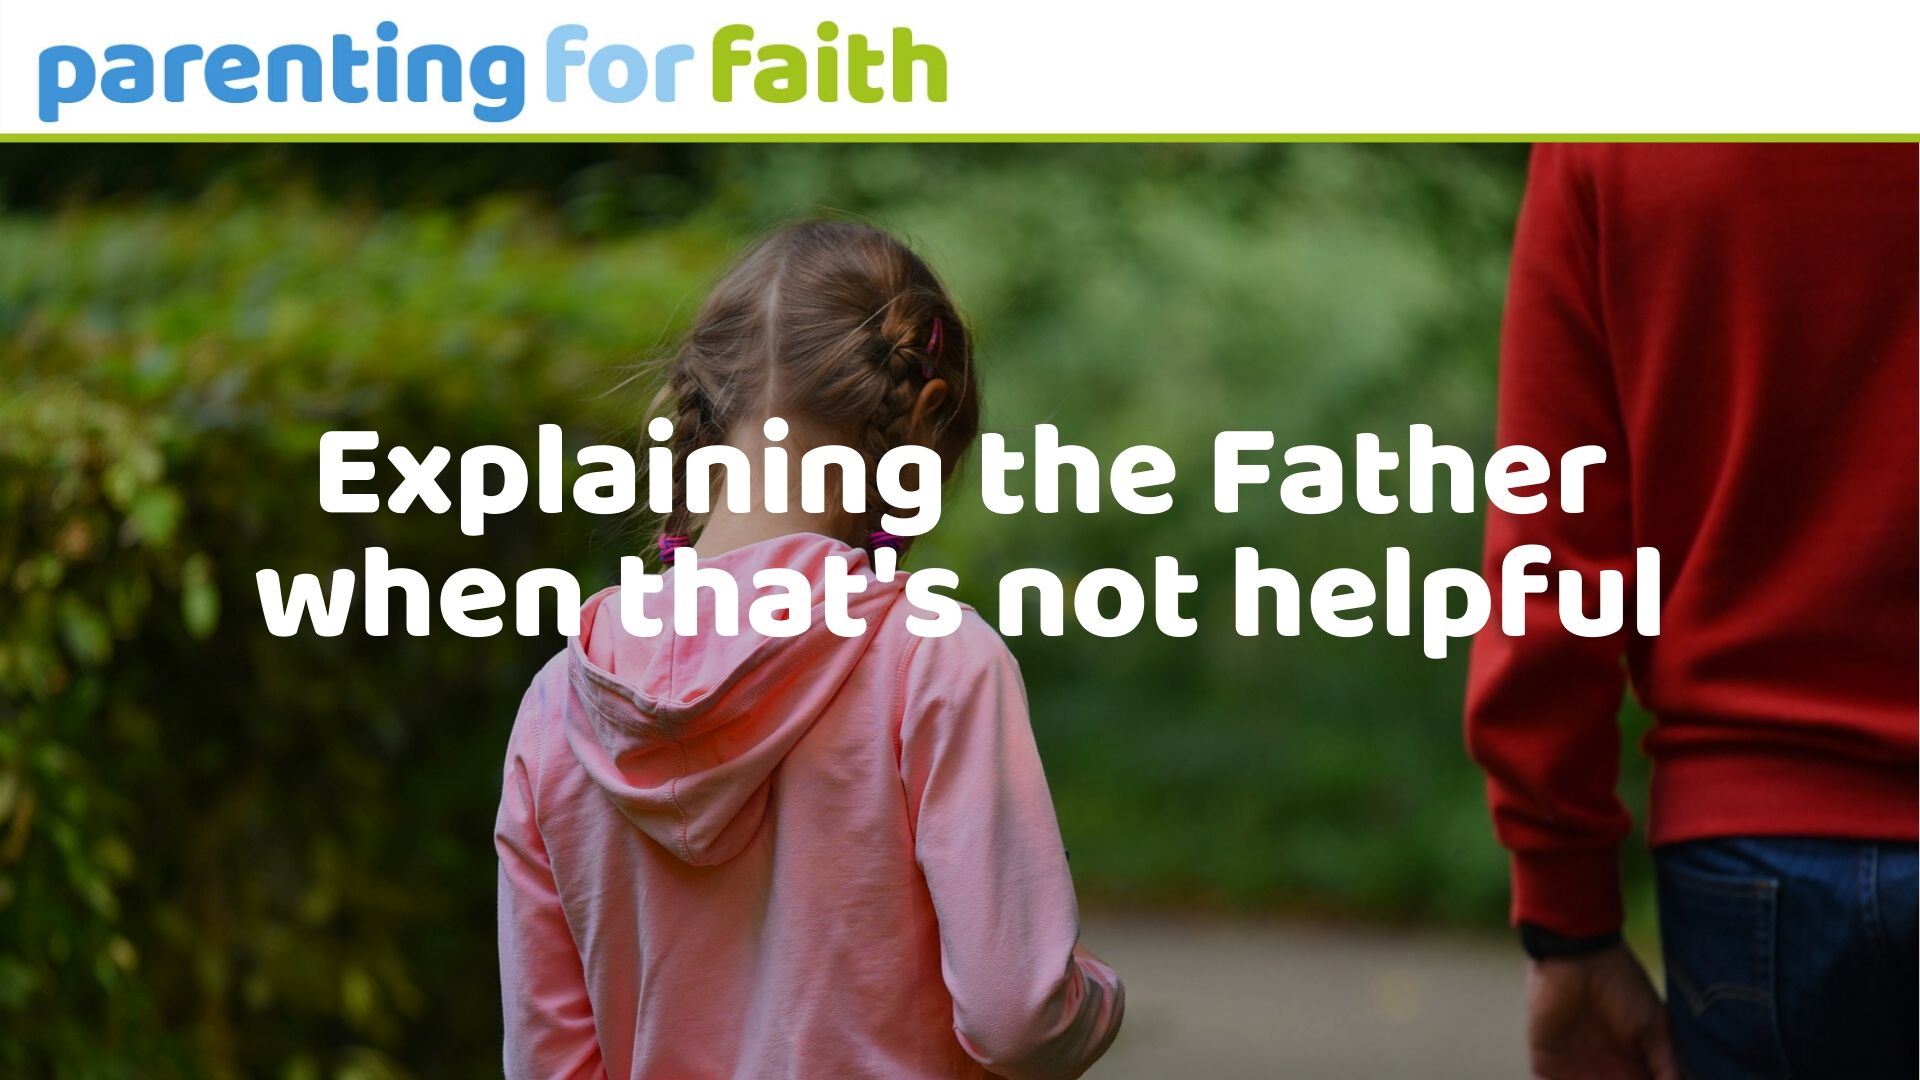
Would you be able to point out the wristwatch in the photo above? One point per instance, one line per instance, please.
(1543, 944)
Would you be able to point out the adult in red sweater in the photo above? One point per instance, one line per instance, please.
(1735, 325)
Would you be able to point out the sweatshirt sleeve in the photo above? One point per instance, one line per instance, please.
(1028, 1003)
(543, 991)
(1542, 708)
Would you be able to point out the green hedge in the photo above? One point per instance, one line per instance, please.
(223, 853)
(222, 849)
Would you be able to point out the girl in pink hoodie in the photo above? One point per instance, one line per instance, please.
(805, 857)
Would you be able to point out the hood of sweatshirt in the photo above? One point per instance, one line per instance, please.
(684, 734)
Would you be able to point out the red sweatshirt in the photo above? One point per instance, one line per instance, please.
(1735, 325)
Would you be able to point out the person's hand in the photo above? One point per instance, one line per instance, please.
(1596, 1017)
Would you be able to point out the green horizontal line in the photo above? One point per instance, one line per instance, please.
(941, 137)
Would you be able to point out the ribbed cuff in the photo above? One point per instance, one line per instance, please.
(1574, 893)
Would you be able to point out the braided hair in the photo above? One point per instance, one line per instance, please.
(835, 321)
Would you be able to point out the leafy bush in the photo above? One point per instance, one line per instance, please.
(279, 848)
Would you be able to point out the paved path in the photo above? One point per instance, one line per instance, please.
(1209, 998)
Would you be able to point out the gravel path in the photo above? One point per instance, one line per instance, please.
(1222, 999)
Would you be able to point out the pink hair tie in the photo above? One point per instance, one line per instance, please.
(879, 538)
(670, 543)
(933, 347)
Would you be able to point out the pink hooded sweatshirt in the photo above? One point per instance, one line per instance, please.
(805, 857)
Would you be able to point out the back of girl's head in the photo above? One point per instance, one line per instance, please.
(831, 323)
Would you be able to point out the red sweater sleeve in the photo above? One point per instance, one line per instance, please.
(1541, 716)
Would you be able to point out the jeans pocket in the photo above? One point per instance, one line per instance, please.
(1717, 931)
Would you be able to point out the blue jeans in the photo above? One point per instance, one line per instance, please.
(1791, 957)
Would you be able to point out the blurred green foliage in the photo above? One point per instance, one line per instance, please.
(228, 854)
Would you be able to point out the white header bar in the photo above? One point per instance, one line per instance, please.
(1206, 67)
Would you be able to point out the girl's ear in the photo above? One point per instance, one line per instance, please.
(932, 396)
